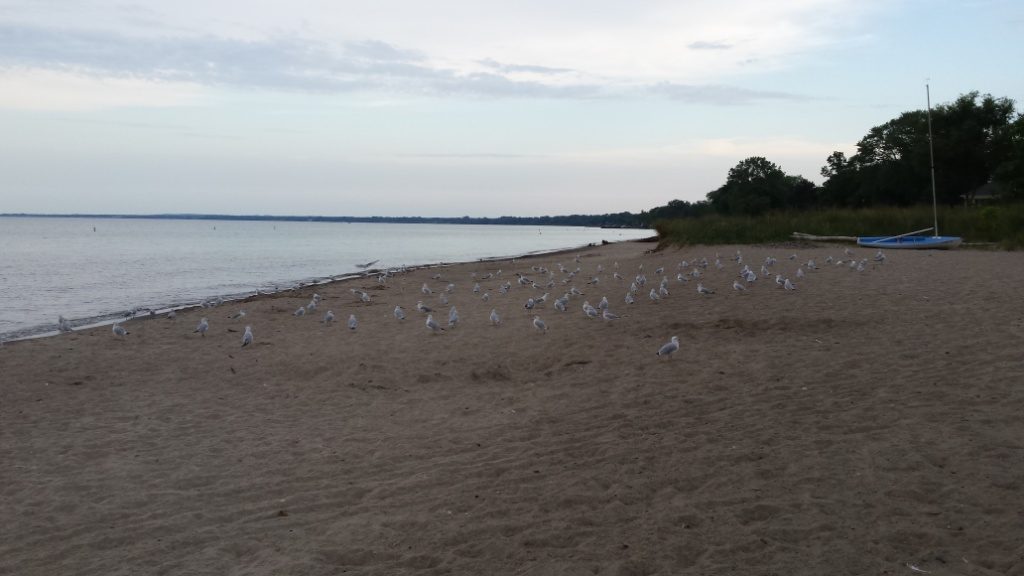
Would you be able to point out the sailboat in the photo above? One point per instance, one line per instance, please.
(915, 239)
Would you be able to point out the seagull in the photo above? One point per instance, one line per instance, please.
(63, 325)
(603, 304)
(311, 306)
(453, 317)
(172, 315)
(608, 315)
(738, 287)
(119, 330)
(560, 305)
(432, 325)
(328, 318)
(663, 290)
(669, 348)
(495, 319)
(247, 337)
(702, 290)
(425, 289)
(486, 296)
(399, 313)
(300, 312)
(367, 265)
(788, 285)
(237, 315)
(204, 326)
(422, 308)
(654, 296)
(880, 257)
(539, 324)
(751, 277)
(799, 272)
(629, 298)
(352, 323)
(529, 304)
(591, 312)
(443, 299)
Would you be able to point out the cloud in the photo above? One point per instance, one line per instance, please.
(49, 90)
(533, 69)
(720, 94)
(293, 63)
(703, 45)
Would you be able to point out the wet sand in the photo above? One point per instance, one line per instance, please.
(865, 423)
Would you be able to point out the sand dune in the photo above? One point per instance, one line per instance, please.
(865, 423)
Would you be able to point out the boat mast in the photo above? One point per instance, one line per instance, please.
(931, 156)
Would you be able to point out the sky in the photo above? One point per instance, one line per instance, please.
(460, 107)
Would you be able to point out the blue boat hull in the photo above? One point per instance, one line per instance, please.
(910, 242)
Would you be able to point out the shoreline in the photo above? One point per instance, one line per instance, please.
(159, 311)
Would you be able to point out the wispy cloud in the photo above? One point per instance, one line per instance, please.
(290, 64)
(529, 68)
(721, 94)
(704, 45)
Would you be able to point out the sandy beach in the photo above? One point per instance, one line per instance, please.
(865, 423)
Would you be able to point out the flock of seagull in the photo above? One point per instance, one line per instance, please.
(543, 279)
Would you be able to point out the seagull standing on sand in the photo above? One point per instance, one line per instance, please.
(422, 308)
(669, 348)
(119, 330)
(328, 318)
(426, 289)
(629, 298)
(432, 325)
(738, 287)
(203, 327)
(495, 319)
(300, 312)
(702, 290)
(247, 337)
(172, 315)
(608, 315)
(539, 324)
(399, 313)
(352, 323)
(237, 315)
(788, 285)
(453, 317)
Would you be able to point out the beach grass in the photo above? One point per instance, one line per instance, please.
(999, 226)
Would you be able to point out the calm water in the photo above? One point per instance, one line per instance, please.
(60, 266)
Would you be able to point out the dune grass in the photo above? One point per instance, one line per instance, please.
(1002, 226)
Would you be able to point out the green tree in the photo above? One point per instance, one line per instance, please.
(756, 185)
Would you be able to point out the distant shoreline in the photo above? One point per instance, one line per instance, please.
(623, 220)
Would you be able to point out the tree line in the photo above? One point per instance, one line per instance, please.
(978, 145)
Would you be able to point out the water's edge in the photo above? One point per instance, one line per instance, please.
(213, 300)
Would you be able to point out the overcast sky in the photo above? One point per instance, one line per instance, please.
(451, 108)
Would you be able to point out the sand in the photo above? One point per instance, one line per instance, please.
(865, 423)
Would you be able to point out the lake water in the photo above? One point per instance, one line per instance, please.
(61, 266)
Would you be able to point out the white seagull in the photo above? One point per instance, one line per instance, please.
(202, 327)
(352, 322)
(539, 324)
(702, 290)
(432, 325)
(247, 337)
(328, 318)
(119, 330)
(738, 287)
(669, 348)
(399, 313)
(495, 319)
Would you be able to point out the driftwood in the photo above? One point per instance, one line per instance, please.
(803, 236)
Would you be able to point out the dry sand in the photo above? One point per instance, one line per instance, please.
(867, 423)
